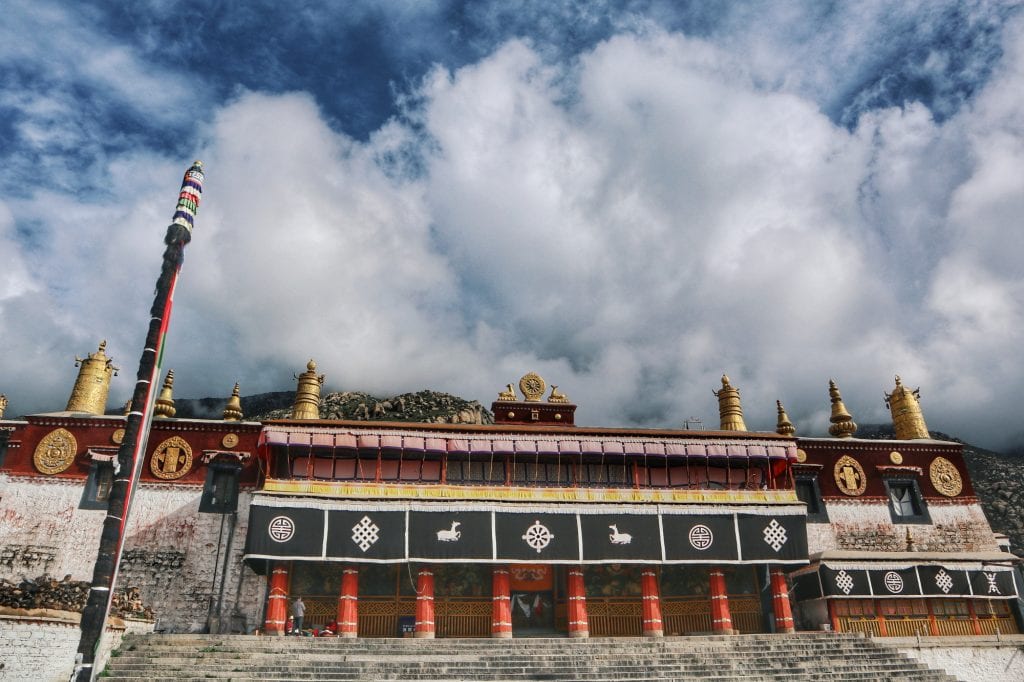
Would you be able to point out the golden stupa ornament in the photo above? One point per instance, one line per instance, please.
(307, 395)
(164, 408)
(905, 406)
(843, 425)
(233, 410)
(55, 452)
(730, 412)
(849, 475)
(532, 386)
(172, 459)
(93, 383)
(784, 426)
(945, 477)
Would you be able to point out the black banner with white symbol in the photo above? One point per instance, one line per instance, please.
(700, 538)
(620, 537)
(845, 582)
(772, 537)
(992, 584)
(806, 586)
(537, 537)
(943, 582)
(370, 535)
(894, 583)
(450, 535)
(285, 532)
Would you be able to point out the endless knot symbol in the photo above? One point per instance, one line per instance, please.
(281, 529)
(538, 536)
(701, 537)
(364, 533)
(943, 581)
(844, 581)
(775, 535)
(893, 582)
(992, 587)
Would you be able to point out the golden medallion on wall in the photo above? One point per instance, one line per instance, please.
(117, 436)
(801, 455)
(532, 386)
(230, 440)
(172, 459)
(55, 452)
(850, 476)
(945, 477)
(895, 457)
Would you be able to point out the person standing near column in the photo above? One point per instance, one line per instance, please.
(298, 612)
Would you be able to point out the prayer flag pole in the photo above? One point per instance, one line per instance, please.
(132, 451)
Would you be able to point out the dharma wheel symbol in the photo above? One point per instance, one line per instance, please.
(538, 536)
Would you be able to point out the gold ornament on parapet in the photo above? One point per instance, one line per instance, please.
(850, 476)
(117, 436)
(945, 477)
(801, 455)
(172, 459)
(557, 396)
(895, 457)
(508, 395)
(55, 452)
(230, 440)
(532, 387)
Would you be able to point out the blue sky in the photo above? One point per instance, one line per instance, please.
(629, 198)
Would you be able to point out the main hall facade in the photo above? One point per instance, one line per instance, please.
(531, 525)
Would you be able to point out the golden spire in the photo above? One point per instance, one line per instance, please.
(233, 410)
(93, 383)
(3, 405)
(307, 396)
(784, 426)
(127, 407)
(843, 425)
(164, 408)
(906, 412)
(730, 412)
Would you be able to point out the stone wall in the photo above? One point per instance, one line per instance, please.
(973, 661)
(170, 550)
(867, 525)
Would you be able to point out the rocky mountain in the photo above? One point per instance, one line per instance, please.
(424, 406)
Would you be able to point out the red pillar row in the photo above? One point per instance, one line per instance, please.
(348, 603)
(501, 609)
(721, 620)
(425, 603)
(651, 604)
(780, 602)
(277, 602)
(579, 624)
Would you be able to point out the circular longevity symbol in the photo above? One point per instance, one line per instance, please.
(701, 537)
(893, 582)
(281, 529)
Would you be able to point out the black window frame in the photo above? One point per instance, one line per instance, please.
(817, 512)
(914, 488)
(90, 494)
(225, 472)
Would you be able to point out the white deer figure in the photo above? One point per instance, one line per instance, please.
(618, 538)
(451, 535)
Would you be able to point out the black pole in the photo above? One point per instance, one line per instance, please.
(132, 449)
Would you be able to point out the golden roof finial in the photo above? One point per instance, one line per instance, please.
(127, 407)
(93, 382)
(233, 410)
(307, 395)
(164, 408)
(843, 425)
(730, 412)
(3, 405)
(907, 419)
(557, 396)
(784, 426)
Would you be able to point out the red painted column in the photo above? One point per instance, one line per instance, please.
(348, 602)
(501, 609)
(780, 602)
(721, 621)
(579, 624)
(425, 603)
(651, 604)
(277, 602)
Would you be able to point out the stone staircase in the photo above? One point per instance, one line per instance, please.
(803, 656)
